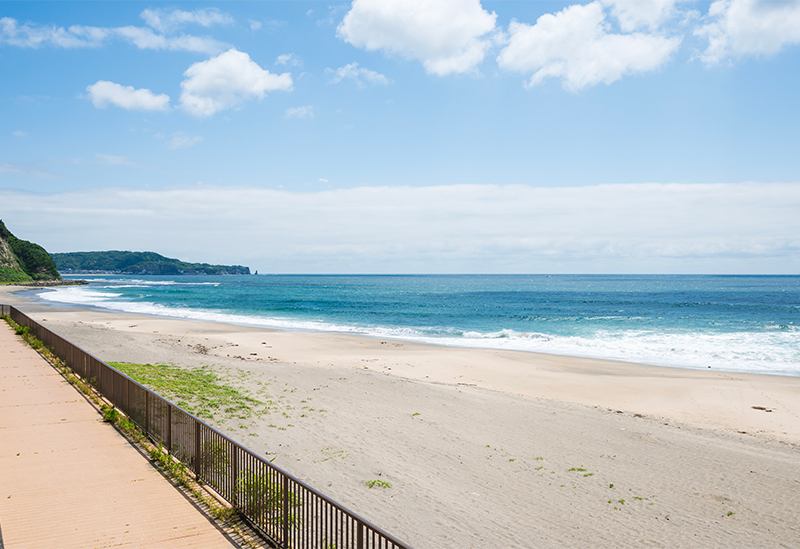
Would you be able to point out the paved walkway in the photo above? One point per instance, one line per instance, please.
(69, 480)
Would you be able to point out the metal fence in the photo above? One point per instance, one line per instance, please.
(287, 511)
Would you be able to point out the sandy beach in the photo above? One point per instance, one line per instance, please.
(487, 448)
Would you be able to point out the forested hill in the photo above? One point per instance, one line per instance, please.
(137, 263)
(22, 261)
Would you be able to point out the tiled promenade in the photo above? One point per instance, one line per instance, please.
(69, 480)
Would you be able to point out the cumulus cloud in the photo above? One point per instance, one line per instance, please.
(638, 14)
(742, 228)
(225, 81)
(180, 140)
(19, 133)
(576, 46)
(448, 36)
(289, 59)
(168, 20)
(738, 28)
(31, 35)
(104, 93)
(300, 112)
(360, 75)
(145, 39)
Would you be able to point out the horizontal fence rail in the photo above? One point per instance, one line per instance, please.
(291, 514)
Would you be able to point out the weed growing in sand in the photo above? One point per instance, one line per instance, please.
(579, 469)
(731, 513)
(200, 391)
(379, 483)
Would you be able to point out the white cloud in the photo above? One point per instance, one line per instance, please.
(323, 180)
(638, 14)
(736, 228)
(78, 36)
(739, 28)
(33, 36)
(575, 46)
(180, 140)
(145, 39)
(255, 25)
(19, 133)
(166, 21)
(361, 75)
(448, 36)
(104, 93)
(227, 80)
(289, 59)
(300, 112)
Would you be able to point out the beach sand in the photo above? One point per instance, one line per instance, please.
(488, 448)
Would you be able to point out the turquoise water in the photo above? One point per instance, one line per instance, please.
(735, 323)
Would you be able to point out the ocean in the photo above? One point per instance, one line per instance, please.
(731, 323)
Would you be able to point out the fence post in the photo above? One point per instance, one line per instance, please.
(147, 412)
(285, 511)
(360, 536)
(235, 488)
(169, 427)
(198, 457)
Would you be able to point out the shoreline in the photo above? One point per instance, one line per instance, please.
(697, 397)
(481, 448)
(255, 322)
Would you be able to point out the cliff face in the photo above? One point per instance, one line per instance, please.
(23, 261)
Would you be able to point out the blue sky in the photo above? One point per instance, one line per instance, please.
(408, 136)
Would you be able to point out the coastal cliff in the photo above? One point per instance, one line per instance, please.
(23, 261)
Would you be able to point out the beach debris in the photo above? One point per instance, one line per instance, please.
(200, 348)
(762, 408)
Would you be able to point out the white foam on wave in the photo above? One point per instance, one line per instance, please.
(76, 295)
(776, 351)
(139, 283)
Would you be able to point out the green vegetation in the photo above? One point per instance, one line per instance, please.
(23, 261)
(199, 391)
(263, 497)
(380, 483)
(138, 263)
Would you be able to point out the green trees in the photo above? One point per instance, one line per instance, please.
(23, 261)
(138, 263)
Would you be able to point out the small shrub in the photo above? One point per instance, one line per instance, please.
(380, 483)
(110, 414)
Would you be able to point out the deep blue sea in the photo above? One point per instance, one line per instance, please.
(734, 323)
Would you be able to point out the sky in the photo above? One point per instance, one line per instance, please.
(408, 136)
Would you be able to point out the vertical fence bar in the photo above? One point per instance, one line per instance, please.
(198, 459)
(169, 428)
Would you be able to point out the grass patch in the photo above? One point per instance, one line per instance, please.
(379, 483)
(200, 391)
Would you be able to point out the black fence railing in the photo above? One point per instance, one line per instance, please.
(290, 513)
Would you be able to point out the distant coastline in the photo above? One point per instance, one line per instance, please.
(47, 283)
(136, 263)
